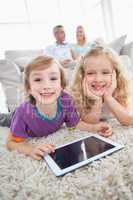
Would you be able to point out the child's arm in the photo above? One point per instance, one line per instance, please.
(73, 120)
(102, 128)
(120, 112)
(36, 152)
(94, 114)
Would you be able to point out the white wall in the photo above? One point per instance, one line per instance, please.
(123, 16)
(29, 23)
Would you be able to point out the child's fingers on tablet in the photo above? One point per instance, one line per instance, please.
(109, 131)
(39, 152)
(101, 133)
(106, 133)
(36, 156)
(48, 148)
(51, 146)
(107, 128)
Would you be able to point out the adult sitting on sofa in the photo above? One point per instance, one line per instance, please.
(61, 50)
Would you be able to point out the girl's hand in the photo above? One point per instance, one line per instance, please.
(110, 90)
(39, 151)
(87, 92)
(104, 129)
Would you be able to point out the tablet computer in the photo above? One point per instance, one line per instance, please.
(80, 152)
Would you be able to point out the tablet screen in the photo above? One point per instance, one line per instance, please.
(79, 151)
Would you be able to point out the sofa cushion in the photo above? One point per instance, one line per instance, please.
(127, 49)
(11, 79)
(118, 43)
(14, 54)
(22, 62)
(127, 67)
(3, 105)
(22, 57)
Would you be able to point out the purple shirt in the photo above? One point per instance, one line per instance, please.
(27, 123)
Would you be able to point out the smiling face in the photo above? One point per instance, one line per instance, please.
(98, 73)
(60, 35)
(80, 34)
(45, 84)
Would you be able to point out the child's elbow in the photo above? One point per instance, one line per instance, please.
(127, 121)
(10, 143)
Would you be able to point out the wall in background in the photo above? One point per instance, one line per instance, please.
(26, 24)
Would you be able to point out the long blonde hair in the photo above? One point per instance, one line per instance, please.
(121, 92)
(83, 31)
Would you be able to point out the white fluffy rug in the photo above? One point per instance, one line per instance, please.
(111, 178)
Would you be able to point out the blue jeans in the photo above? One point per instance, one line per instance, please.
(5, 119)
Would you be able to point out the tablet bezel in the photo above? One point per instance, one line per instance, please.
(59, 172)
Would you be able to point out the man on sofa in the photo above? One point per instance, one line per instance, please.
(61, 50)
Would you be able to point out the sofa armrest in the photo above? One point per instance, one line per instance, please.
(11, 79)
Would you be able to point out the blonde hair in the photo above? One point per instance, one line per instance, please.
(83, 102)
(82, 28)
(40, 63)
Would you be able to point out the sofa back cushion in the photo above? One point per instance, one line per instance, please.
(14, 54)
(22, 57)
(118, 43)
(127, 49)
(11, 80)
(3, 105)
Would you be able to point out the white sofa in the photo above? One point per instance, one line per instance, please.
(22, 57)
(11, 76)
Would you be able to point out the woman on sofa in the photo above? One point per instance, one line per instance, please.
(81, 46)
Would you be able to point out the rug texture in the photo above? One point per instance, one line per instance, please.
(111, 178)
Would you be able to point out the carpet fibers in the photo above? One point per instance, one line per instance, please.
(111, 178)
